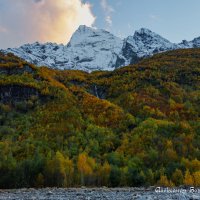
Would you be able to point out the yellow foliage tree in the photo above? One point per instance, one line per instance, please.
(60, 170)
(85, 166)
(195, 165)
(196, 176)
(69, 170)
(104, 174)
(177, 177)
(165, 182)
(188, 179)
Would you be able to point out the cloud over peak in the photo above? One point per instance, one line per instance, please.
(27, 21)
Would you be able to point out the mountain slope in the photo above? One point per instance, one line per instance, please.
(138, 125)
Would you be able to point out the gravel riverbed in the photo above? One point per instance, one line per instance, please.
(98, 194)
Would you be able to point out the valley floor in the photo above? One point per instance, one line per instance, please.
(96, 194)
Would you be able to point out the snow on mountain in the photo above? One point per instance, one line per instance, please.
(144, 43)
(89, 49)
(190, 44)
(93, 49)
(47, 54)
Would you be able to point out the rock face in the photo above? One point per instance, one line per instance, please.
(15, 93)
(142, 44)
(93, 194)
(94, 49)
(16, 70)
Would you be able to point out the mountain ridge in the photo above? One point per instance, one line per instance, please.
(91, 49)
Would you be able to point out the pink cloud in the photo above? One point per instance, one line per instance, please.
(43, 20)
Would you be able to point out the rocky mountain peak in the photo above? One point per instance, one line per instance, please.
(87, 35)
(144, 42)
(148, 36)
(91, 49)
(143, 31)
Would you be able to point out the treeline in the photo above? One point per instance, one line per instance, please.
(59, 171)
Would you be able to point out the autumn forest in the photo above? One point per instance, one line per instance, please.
(136, 126)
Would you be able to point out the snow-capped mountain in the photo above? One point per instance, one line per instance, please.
(190, 44)
(142, 44)
(93, 49)
(89, 49)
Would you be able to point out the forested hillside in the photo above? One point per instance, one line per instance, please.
(136, 126)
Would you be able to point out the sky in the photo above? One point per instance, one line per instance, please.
(28, 21)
